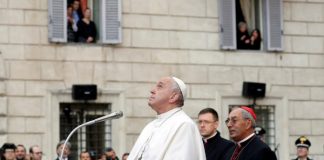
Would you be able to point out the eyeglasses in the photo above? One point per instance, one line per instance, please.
(9, 151)
(232, 120)
(200, 122)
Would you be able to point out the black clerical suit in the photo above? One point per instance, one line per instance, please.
(216, 147)
(251, 149)
(307, 159)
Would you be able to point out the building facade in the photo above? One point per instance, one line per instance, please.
(183, 38)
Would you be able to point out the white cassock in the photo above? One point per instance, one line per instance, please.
(172, 136)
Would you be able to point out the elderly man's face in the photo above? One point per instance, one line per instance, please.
(237, 125)
(302, 152)
(161, 93)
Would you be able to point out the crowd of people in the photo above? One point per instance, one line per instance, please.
(246, 40)
(10, 151)
(174, 135)
(80, 27)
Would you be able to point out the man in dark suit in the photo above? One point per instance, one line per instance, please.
(302, 144)
(215, 145)
(241, 123)
(66, 152)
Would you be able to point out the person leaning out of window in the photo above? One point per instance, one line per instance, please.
(86, 28)
(255, 39)
(243, 38)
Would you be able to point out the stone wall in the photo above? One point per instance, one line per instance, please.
(160, 37)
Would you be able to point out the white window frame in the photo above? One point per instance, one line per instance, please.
(272, 34)
(111, 29)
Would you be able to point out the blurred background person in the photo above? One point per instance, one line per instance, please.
(85, 155)
(35, 152)
(255, 40)
(110, 154)
(66, 152)
(20, 152)
(302, 144)
(86, 28)
(8, 150)
(243, 38)
(125, 156)
(260, 132)
(71, 25)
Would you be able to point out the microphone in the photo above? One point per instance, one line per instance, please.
(114, 115)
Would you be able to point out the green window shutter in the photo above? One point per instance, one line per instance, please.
(228, 26)
(111, 21)
(57, 27)
(274, 31)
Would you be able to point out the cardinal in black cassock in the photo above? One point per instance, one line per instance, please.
(240, 123)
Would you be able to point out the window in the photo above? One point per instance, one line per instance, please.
(265, 119)
(265, 15)
(93, 138)
(106, 15)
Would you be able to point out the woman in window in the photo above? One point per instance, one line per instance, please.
(86, 28)
(255, 39)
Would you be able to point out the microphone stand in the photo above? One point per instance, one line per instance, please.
(100, 119)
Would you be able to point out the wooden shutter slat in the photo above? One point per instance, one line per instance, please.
(228, 26)
(274, 25)
(57, 21)
(111, 21)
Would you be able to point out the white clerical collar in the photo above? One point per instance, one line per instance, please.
(245, 139)
(206, 139)
(164, 116)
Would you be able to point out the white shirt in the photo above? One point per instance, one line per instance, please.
(245, 139)
(173, 135)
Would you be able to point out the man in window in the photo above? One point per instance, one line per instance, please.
(215, 145)
(173, 134)
(77, 13)
(302, 144)
(71, 25)
(243, 38)
(241, 124)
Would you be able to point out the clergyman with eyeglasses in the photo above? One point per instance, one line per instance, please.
(241, 124)
(215, 145)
